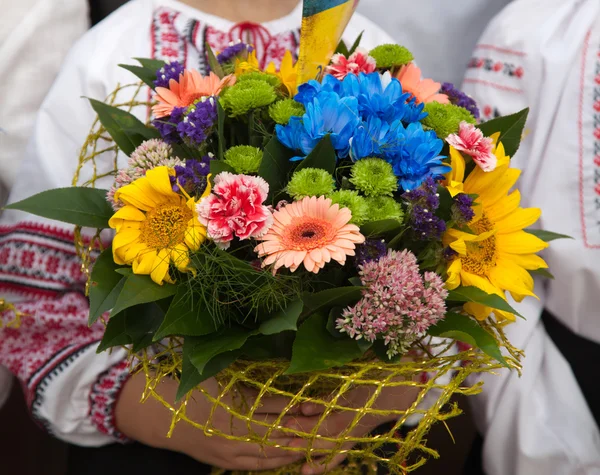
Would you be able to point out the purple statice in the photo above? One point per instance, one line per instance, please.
(459, 98)
(423, 202)
(234, 50)
(169, 71)
(462, 209)
(370, 250)
(398, 305)
(198, 121)
(167, 126)
(192, 176)
(449, 254)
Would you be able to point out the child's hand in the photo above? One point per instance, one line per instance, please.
(396, 398)
(149, 423)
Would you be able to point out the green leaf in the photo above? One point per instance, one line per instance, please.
(105, 285)
(316, 349)
(511, 130)
(327, 299)
(476, 295)
(547, 236)
(76, 205)
(221, 131)
(125, 129)
(380, 350)
(356, 44)
(205, 348)
(214, 64)
(466, 329)
(151, 64)
(342, 49)
(134, 326)
(218, 166)
(146, 75)
(323, 156)
(377, 228)
(186, 316)
(275, 167)
(139, 289)
(355, 281)
(543, 273)
(283, 320)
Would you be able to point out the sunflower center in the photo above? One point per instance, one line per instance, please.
(481, 255)
(165, 226)
(308, 234)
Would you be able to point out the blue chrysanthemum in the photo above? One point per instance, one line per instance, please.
(415, 155)
(370, 139)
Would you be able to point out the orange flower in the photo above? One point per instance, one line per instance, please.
(424, 90)
(191, 87)
(312, 232)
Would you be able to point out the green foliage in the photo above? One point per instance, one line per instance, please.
(389, 56)
(354, 202)
(445, 119)
(356, 43)
(147, 71)
(244, 158)
(202, 349)
(384, 208)
(476, 295)
(220, 131)
(245, 96)
(511, 130)
(276, 167)
(310, 182)
(465, 329)
(283, 320)
(547, 236)
(374, 177)
(315, 348)
(105, 285)
(214, 64)
(381, 228)
(140, 289)
(282, 111)
(325, 300)
(76, 205)
(323, 156)
(125, 129)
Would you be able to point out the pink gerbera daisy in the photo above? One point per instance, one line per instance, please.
(471, 141)
(358, 62)
(312, 232)
(190, 87)
(424, 90)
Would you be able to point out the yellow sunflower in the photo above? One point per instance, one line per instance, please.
(248, 66)
(288, 73)
(156, 227)
(498, 254)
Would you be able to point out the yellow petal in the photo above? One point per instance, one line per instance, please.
(180, 257)
(491, 186)
(145, 263)
(159, 179)
(132, 251)
(124, 237)
(479, 311)
(483, 283)
(139, 194)
(503, 207)
(457, 162)
(160, 270)
(453, 271)
(526, 261)
(509, 276)
(522, 218)
(459, 246)
(520, 242)
(195, 235)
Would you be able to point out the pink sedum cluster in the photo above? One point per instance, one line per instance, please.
(358, 62)
(399, 304)
(235, 209)
(471, 141)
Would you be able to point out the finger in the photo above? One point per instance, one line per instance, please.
(311, 409)
(260, 462)
(316, 468)
(269, 404)
(264, 426)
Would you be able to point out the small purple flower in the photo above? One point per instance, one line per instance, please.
(192, 177)
(370, 250)
(423, 202)
(167, 126)
(462, 209)
(449, 254)
(167, 72)
(459, 98)
(234, 50)
(197, 123)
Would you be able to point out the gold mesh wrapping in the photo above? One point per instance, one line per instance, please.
(327, 388)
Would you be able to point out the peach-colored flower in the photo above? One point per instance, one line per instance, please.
(190, 87)
(312, 232)
(424, 90)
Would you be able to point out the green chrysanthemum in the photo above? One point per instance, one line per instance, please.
(244, 158)
(247, 95)
(282, 111)
(310, 182)
(374, 177)
(257, 75)
(354, 202)
(383, 207)
(389, 56)
(445, 119)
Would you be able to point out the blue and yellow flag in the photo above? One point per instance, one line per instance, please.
(323, 23)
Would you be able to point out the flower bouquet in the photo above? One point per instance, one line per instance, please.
(333, 227)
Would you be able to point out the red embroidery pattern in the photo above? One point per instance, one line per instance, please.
(501, 50)
(37, 260)
(501, 67)
(167, 43)
(103, 398)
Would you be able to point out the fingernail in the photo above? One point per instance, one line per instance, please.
(309, 409)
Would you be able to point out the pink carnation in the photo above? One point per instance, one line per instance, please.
(471, 141)
(235, 208)
(358, 62)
